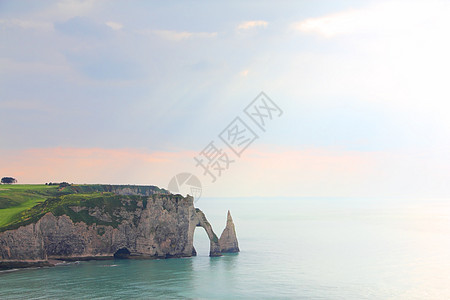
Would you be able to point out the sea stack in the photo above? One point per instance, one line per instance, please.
(228, 241)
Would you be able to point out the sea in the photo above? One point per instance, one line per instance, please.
(291, 248)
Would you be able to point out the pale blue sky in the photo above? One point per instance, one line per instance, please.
(366, 77)
(99, 80)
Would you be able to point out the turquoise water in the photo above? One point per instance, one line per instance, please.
(290, 249)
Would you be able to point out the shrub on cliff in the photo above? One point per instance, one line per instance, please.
(8, 180)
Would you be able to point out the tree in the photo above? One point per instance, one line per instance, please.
(8, 180)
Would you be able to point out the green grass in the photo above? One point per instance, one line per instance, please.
(24, 204)
(7, 214)
(63, 205)
(15, 199)
(21, 205)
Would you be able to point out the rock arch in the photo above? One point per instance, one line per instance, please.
(201, 221)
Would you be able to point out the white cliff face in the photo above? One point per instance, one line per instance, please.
(228, 241)
(161, 226)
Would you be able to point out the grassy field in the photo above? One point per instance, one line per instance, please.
(21, 205)
(15, 199)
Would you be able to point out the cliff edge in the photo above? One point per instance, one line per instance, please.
(121, 224)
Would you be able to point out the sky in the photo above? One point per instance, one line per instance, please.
(129, 92)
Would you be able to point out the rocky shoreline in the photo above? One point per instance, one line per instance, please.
(141, 227)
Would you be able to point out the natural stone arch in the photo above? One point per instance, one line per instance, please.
(201, 221)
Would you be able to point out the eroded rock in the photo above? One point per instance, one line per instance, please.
(228, 241)
(161, 227)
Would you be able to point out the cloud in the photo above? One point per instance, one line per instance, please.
(177, 36)
(269, 171)
(331, 25)
(383, 18)
(92, 165)
(326, 171)
(26, 24)
(252, 24)
(395, 50)
(114, 25)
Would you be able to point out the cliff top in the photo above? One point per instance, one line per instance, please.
(25, 204)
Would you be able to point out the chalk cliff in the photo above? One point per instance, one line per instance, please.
(228, 242)
(125, 225)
